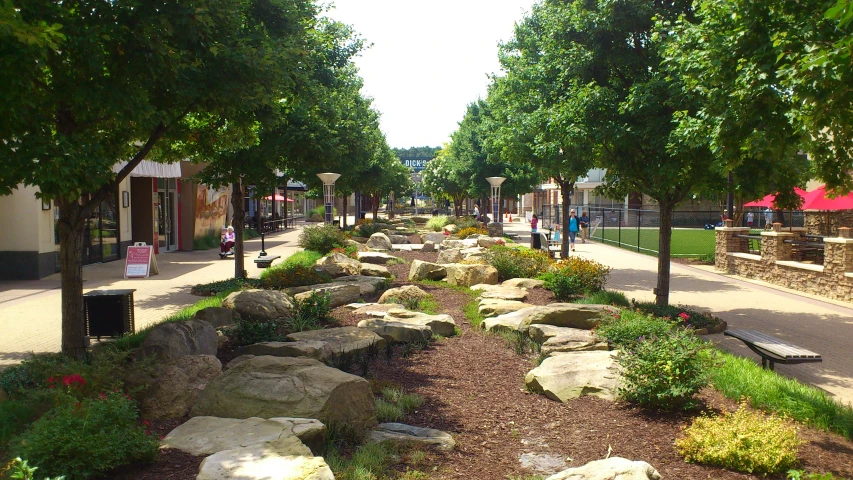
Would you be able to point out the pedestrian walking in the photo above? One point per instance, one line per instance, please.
(574, 227)
(749, 219)
(584, 226)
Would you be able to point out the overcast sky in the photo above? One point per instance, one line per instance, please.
(428, 59)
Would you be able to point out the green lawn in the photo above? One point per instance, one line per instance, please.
(688, 242)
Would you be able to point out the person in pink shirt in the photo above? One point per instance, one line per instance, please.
(227, 242)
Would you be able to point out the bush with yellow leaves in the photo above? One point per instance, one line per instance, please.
(746, 441)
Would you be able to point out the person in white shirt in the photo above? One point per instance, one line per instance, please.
(228, 241)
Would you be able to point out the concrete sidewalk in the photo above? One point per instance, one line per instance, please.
(821, 326)
(30, 311)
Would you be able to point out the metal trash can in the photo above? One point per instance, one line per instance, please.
(535, 241)
(108, 313)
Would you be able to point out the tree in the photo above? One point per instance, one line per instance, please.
(448, 177)
(126, 79)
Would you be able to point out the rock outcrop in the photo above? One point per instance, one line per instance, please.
(565, 376)
(259, 304)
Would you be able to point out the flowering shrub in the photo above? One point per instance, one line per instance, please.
(438, 222)
(293, 275)
(623, 329)
(350, 251)
(664, 372)
(367, 227)
(322, 238)
(676, 313)
(88, 438)
(517, 262)
(575, 276)
(468, 231)
(746, 441)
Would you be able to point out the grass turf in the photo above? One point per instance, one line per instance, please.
(688, 242)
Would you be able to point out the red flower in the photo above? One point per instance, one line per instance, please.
(75, 379)
(102, 395)
(684, 316)
(146, 423)
(50, 382)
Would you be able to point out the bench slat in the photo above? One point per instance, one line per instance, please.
(772, 344)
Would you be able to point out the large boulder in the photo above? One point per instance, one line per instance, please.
(449, 255)
(339, 293)
(174, 385)
(270, 387)
(490, 307)
(472, 252)
(613, 468)
(460, 244)
(434, 237)
(342, 339)
(572, 315)
(486, 242)
(469, 275)
(276, 460)
(528, 283)
(400, 332)
(440, 324)
(500, 292)
(573, 340)
(338, 265)
(376, 309)
(565, 376)
(306, 348)
(379, 241)
(404, 294)
(259, 304)
(428, 247)
(399, 239)
(376, 258)
(541, 333)
(175, 339)
(418, 437)
(208, 435)
(421, 270)
(371, 270)
(218, 317)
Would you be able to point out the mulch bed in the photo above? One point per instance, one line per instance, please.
(473, 386)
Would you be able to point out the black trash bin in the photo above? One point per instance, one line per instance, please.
(535, 241)
(108, 313)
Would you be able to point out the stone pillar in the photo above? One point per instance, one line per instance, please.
(726, 242)
(773, 246)
(838, 257)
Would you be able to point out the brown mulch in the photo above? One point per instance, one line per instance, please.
(473, 386)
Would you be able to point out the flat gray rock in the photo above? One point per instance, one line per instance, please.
(372, 270)
(376, 258)
(421, 270)
(441, 324)
(490, 307)
(500, 292)
(417, 436)
(397, 331)
(264, 461)
(342, 339)
(613, 468)
(528, 283)
(573, 340)
(377, 309)
(403, 294)
(308, 348)
(260, 304)
(208, 435)
(339, 293)
(509, 321)
(572, 315)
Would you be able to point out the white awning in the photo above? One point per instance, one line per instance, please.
(147, 168)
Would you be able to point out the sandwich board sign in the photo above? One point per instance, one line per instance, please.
(140, 261)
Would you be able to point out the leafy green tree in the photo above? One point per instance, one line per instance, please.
(416, 152)
(447, 177)
(128, 78)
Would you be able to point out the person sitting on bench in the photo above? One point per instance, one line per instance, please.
(227, 242)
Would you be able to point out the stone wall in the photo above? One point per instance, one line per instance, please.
(827, 223)
(833, 279)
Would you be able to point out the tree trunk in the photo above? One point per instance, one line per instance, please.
(285, 206)
(565, 190)
(391, 200)
(664, 253)
(237, 223)
(345, 205)
(71, 225)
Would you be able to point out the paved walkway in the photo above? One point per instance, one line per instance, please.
(30, 311)
(819, 325)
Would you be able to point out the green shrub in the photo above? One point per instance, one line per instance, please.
(677, 313)
(311, 312)
(366, 228)
(293, 275)
(605, 297)
(371, 461)
(346, 250)
(229, 285)
(664, 372)
(22, 470)
(465, 222)
(388, 412)
(89, 438)
(437, 223)
(322, 238)
(320, 211)
(395, 405)
(206, 242)
(511, 262)
(801, 475)
(745, 441)
(248, 331)
(628, 326)
(17, 413)
(575, 276)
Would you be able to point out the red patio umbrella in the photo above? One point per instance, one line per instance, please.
(278, 198)
(768, 200)
(818, 200)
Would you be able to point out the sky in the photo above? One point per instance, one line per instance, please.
(428, 59)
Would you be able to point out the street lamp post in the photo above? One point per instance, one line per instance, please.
(496, 182)
(328, 180)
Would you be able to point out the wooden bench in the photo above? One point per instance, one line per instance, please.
(772, 350)
(265, 262)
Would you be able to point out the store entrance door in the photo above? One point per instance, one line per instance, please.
(167, 214)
